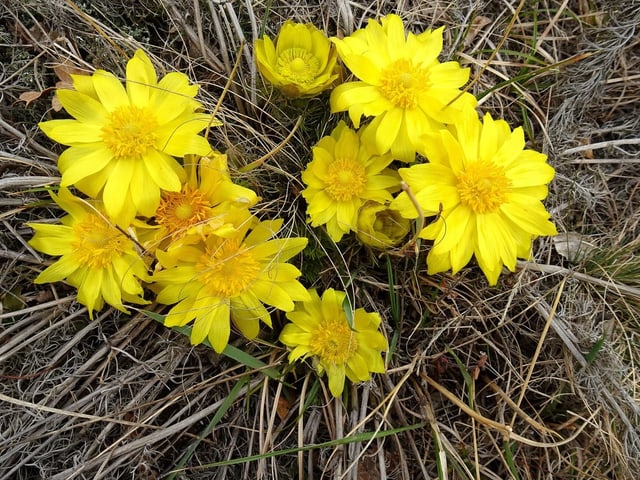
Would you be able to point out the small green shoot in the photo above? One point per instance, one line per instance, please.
(508, 456)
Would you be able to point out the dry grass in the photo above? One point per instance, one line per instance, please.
(536, 378)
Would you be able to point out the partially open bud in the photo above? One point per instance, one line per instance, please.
(380, 226)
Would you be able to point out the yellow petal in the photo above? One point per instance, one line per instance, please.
(461, 253)
(365, 68)
(357, 369)
(164, 171)
(71, 132)
(51, 239)
(529, 170)
(93, 184)
(336, 374)
(84, 84)
(58, 271)
(347, 94)
(403, 147)
(265, 52)
(347, 145)
(432, 41)
(82, 107)
(219, 326)
(89, 291)
(529, 216)
(455, 226)
(117, 183)
(110, 290)
(80, 162)
(396, 36)
(373, 360)
(292, 336)
(332, 302)
(347, 215)
(110, 91)
(271, 294)
(496, 246)
(181, 314)
(125, 268)
(449, 74)
(456, 154)
(76, 207)
(246, 315)
(180, 136)
(144, 192)
(437, 263)
(172, 97)
(417, 124)
(388, 129)
(140, 77)
(298, 352)
(293, 35)
(512, 147)
(488, 141)
(335, 230)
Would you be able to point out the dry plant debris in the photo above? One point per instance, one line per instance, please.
(536, 377)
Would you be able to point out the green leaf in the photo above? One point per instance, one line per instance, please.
(348, 310)
(508, 456)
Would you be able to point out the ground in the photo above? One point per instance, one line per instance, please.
(535, 378)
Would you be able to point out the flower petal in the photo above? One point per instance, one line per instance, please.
(58, 271)
(219, 326)
(140, 77)
(110, 91)
(336, 375)
(82, 107)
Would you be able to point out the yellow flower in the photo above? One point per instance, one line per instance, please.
(489, 191)
(301, 62)
(95, 257)
(122, 141)
(223, 279)
(341, 177)
(208, 201)
(320, 330)
(401, 83)
(380, 226)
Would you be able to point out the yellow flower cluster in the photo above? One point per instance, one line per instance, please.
(480, 184)
(163, 215)
(162, 200)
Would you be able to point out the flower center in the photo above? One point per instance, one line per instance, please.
(179, 211)
(227, 268)
(346, 179)
(96, 242)
(130, 132)
(402, 82)
(483, 186)
(298, 65)
(333, 341)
